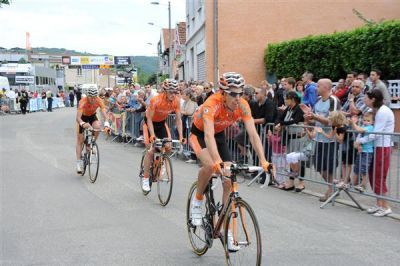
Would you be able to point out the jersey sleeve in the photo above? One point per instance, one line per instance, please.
(245, 110)
(101, 104)
(82, 103)
(208, 110)
(152, 105)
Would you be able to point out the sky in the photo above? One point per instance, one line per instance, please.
(114, 27)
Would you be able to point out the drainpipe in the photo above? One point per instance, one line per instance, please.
(215, 42)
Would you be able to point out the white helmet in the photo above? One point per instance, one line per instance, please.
(92, 91)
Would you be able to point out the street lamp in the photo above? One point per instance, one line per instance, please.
(158, 57)
(170, 35)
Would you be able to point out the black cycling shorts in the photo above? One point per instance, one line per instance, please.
(161, 131)
(197, 143)
(87, 119)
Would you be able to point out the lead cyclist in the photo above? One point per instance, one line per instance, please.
(207, 138)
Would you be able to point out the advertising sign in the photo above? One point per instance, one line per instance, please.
(75, 60)
(66, 60)
(90, 66)
(120, 81)
(25, 79)
(92, 60)
(122, 60)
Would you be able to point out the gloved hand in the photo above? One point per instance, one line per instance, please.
(266, 166)
(152, 139)
(217, 168)
(106, 124)
(183, 141)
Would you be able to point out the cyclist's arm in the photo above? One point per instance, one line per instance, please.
(178, 121)
(149, 121)
(254, 139)
(209, 139)
(79, 117)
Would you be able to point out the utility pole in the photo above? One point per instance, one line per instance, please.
(170, 40)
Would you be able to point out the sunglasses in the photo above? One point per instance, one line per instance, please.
(234, 94)
(172, 92)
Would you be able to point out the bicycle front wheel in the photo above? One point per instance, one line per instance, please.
(241, 223)
(165, 180)
(84, 159)
(197, 234)
(94, 162)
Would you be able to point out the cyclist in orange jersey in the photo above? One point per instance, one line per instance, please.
(207, 136)
(86, 118)
(155, 126)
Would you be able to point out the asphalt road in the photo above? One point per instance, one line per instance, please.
(51, 216)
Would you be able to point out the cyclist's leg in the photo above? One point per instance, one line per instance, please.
(149, 155)
(97, 126)
(206, 170)
(226, 157)
(168, 146)
(79, 141)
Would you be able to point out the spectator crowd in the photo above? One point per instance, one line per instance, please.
(302, 124)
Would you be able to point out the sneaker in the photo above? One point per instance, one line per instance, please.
(197, 217)
(146, 185)
(360, 188)
(79, 167)
(190, 161)
(230, 243)
(342, 185)
(382, 212)
(373, 209)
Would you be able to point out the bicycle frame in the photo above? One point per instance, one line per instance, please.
(161, 152)
(229, 205)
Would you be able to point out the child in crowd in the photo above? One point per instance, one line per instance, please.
(294, 159)
(365, 151)
(278, 153)
(339, 124)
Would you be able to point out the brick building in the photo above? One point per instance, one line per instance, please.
(245, 27)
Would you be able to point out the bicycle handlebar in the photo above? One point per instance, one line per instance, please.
(166, 140)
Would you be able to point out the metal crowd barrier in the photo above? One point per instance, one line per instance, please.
(292, 139)
(34, 104)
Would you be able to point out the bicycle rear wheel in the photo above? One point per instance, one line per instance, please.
(197, 234)
(141, 173)
(94, 163)
(165, 180)
(84, 159)
(243, 224)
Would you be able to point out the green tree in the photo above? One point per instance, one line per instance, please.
(22, 61)
(4, 2)
(152, 79)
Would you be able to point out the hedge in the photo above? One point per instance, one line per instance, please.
(334, 55)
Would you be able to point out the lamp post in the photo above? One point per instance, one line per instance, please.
(158, 68)
(169, 34)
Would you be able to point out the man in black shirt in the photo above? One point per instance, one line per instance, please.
(263, 111)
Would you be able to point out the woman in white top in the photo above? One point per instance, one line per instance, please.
(188, 107)
(384, 124)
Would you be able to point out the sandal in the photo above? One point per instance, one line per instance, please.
(287, 188)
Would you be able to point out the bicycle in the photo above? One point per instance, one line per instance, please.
(160, 171)
(90, 154)
(236, 215)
